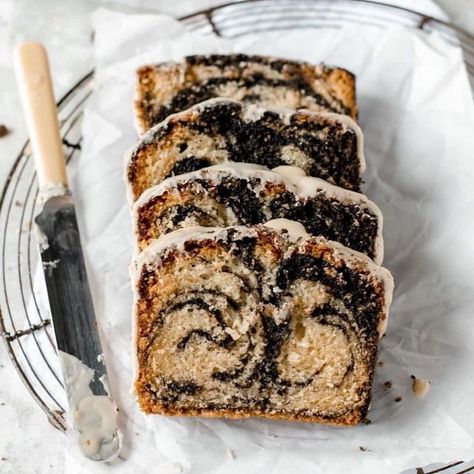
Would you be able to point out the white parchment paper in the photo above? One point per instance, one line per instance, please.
(418, 117)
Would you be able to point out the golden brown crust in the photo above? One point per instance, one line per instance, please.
(144, 84)
(343, 83)
(153, 408)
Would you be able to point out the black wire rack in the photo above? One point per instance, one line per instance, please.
(24, 324)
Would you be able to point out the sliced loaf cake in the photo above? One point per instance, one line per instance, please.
(327, 146)
(167, 88)
(245, 194)
(257, 321)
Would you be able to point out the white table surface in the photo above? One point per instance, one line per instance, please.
(28, 444)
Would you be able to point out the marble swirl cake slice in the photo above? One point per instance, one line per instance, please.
(167, 88)
(257, 321)
(244, 194)
(328, 146)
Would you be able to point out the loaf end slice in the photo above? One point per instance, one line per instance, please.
(168, 88)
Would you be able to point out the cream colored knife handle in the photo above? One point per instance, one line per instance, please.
(36, 92)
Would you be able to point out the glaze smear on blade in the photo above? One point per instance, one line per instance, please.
(94, 416)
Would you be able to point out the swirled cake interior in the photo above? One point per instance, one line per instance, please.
(167, 88)
(243, 322)
(327, 146)
(242, 194)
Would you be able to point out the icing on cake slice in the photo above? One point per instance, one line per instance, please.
(167, 88)
(245, 194)
(325, 145)
(261, 321)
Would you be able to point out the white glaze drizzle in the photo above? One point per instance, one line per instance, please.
(176, 240)
(41, 239)
(51, 190)
(295, 230)
(254, 112)
(94, 417)
(47, 192)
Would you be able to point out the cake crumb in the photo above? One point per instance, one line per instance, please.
(230, 454)
(175, 468)
(388, 385)
(363, 449)
(367, 421)
(398, 399)
(420, 387)
(3, 131)
(380, 363)
(3, 458)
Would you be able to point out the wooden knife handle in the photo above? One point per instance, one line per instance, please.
(36, 92)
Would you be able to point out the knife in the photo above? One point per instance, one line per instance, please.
(92, 412)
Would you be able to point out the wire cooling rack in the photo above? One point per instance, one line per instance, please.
(24, 325)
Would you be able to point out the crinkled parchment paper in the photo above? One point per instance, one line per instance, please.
(418, 117)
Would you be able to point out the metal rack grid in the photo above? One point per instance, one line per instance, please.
(24, 324)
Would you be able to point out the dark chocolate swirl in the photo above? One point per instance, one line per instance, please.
(219, 131)
(239, 326)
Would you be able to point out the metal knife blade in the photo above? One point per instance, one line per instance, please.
(69, 295)
(74, 323)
